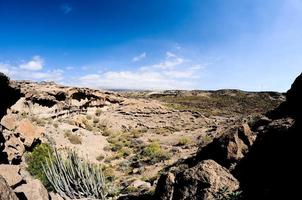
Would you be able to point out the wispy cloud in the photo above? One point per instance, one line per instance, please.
(139, 57)
(36, 63)
(66, 8)
(169, 54)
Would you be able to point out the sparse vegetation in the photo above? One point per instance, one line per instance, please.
(221, 103)
(154, 153)
(184, 140)
(73, 138)
(224, 194)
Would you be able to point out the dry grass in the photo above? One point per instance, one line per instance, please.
(74, 139)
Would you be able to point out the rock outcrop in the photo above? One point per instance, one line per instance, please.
(6, 193)
(33, 190)
(273, 163)
(229, 148)
(204, 181)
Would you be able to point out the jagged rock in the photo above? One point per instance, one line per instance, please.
(33, 190)
(28, 132)
(203, 181)
(11, 174)
(165, 187)
(6, 193)
(229, 148)
(13, 147)
(9, 122)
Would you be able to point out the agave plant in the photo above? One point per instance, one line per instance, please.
(74, 177)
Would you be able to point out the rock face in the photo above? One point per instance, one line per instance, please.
(9, 122)
(204, 181)
(33, 190)
(11, 174)
(230, 148)
(6, 193)
(28, 132)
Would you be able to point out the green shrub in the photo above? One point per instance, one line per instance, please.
(56, 125)
(96, 120)
(154, 153)
(183, 141)
(225, 194)
(89, 117)
(36, 159)
(98, 112)
(74, 139)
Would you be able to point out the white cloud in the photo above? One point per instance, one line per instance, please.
(33, 65)
(32, 70)
(139, 57)
(172, 73)
(4, 68)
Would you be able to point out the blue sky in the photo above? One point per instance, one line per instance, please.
(159, 44)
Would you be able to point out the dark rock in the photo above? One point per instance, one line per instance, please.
(292, 107)
(229, 148)
(165, 187)
(203, 181)
(9, 95)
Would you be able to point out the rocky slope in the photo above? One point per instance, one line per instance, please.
(262, 163)
(135, 139)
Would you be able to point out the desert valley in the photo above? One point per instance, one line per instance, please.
(164, 145)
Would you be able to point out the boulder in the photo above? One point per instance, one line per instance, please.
(9, 122)
(11, 174)
(6, 193)
(204, 181)
(33, 189)
(230, 147)
(165, 186)
(28, 132)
